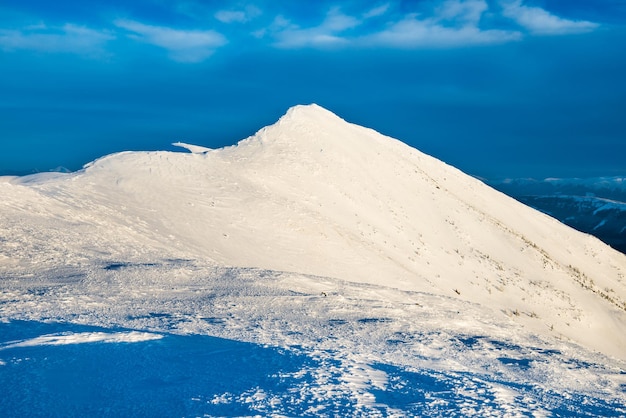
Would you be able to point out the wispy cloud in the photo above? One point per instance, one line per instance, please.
(453, 23)
(377, 11)
(468, 12)
(328, 34)
(69, 38)
(541, 22)
(244, 15)
(435, 24)
(387, 24)
(412, 32)
(182, 45)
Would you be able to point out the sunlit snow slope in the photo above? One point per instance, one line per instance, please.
(316, 195)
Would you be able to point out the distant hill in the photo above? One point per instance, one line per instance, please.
(596, 206)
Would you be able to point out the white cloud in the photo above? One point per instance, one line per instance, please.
(327, 34)
(541, 22)
(182, 45)
(230, 16)
(68, 38)
(376, 11)
(454, 23)
(440, 24)
(467, 12)
(412, 32)
(238, 16)
(450, 24)
(279, 24)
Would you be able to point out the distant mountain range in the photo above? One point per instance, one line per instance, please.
(596, 206)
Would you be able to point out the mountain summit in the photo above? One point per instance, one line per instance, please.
(316, 195)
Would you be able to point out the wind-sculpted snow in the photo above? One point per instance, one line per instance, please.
(82, 338)
(372, 279)
(345, 349)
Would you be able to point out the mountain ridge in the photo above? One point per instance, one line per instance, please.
(316, 195)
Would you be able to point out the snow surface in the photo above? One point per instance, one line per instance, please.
(196, 149)
(375, 261)
(83, 337)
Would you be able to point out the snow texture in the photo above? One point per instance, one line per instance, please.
(394, 283)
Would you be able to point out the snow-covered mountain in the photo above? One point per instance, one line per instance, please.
(330, 237)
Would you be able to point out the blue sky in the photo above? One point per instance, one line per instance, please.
(498, 88)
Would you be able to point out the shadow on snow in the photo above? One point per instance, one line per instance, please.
(201, 375)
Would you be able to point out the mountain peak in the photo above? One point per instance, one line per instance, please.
(314, 117)
(305, 130)
(310, 111)
(310, 118)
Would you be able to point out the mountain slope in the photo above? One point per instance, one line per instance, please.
(316, 195)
